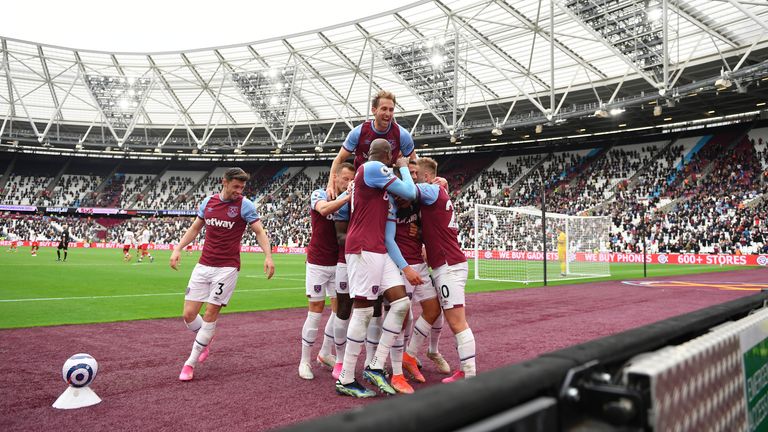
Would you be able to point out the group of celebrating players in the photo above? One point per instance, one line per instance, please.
(377, 230)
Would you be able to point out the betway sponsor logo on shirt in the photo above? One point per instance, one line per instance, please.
(220, 223)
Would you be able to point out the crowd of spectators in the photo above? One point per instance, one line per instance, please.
(23, 190)
(72, 191)
(709, 202)
(166, 193)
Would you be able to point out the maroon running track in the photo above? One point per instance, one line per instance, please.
(250, 381)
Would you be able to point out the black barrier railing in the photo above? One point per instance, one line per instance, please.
(580, 378)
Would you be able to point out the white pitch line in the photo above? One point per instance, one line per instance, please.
(275, 278)
(134, 295)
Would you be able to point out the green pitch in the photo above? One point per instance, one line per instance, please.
(95, 285)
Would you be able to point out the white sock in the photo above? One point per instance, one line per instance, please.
(309, 334)
(408, 330)
(195, 324)
(202, 339)
(396, 355)
(325, 350)
(434, 337)
(465, 344)
(372, 338)
(340, 327)
(358, 325)
(420, 332)
(391, 329)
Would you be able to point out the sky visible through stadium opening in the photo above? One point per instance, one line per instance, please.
(174, 25)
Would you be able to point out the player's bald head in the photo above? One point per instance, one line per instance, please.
(381, 151)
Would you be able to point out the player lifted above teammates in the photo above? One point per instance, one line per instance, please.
(448, 262)
(322, 254)
(225, 216)
(383, 125)
(372, 271)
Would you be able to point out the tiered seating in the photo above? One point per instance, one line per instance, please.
(73, 191)
(169, 191)
(598, 180)
(209, 186)
(494, 185)
(133, 184)
(291, 203)
(267, 180)
(759, 139)
(23, 190)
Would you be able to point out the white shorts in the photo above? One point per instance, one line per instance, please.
(213, 285)
(370, 274)
(424, 291)
(450, 281)
(342, 281)
(320, 281)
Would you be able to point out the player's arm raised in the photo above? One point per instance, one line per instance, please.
(404, 188)
(263, 239)
(188, 237)
(343, 155)
(330, 206)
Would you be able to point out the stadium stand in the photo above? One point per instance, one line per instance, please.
(697, 193)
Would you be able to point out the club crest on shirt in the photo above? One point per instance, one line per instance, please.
(386, 171)
(317, 288)
(232, 211)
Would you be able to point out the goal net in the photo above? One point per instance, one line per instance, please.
(510, 245)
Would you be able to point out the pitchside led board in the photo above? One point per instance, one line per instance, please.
(718, 381)
(754, 351)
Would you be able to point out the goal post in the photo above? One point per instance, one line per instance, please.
(509, 245)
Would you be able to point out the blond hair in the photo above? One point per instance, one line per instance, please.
(428, 164)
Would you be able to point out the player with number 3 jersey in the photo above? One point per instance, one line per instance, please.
(225, 217)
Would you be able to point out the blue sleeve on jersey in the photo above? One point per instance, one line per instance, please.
(403, 188)
(342, 214)
(201, 209)
(406, 142)
(378, 175)
(350, 144)
(389, 236)
(428, 193)
(248, 211)
(318, 195)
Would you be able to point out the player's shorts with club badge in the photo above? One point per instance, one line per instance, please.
(320, 281)
(342, 279)
(370, 274)
(213, 285)
(450, 281)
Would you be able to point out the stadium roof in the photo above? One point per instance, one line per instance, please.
(453, 64)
